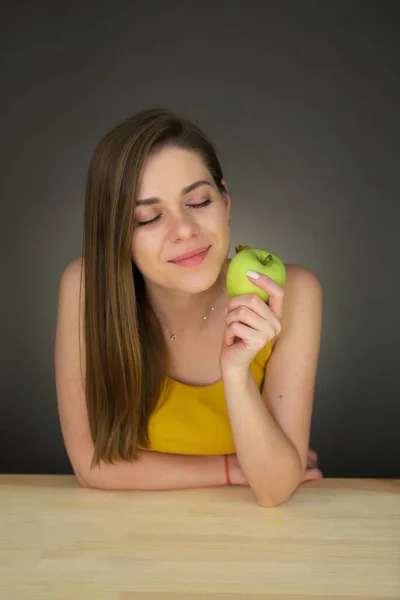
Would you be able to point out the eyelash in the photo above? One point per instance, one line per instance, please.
(202, 204)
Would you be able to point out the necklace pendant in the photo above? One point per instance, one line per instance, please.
(172, 337)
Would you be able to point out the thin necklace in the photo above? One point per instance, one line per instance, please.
(172, 336)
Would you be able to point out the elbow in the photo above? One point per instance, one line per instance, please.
(268, 504)
(81, 477)
(91, 483)
(88, 480)
(83, 482)
(91, 479)
(272, 500)
(273, 496)
(85, 475)
(268, 501)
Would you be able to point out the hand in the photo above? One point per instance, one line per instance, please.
(251, 324)
(312, 472)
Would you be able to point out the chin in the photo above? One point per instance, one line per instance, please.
(203, 280)
(199, 282)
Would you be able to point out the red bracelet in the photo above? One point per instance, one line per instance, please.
(228, 479)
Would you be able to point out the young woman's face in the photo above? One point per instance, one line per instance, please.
(180, 220)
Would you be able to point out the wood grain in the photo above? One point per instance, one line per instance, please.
(334, 538)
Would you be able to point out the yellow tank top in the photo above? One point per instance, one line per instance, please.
(194, 419)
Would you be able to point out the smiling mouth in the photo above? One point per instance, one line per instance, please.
(192, 261)
(190, 254)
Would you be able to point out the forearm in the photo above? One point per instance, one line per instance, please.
(158, 471)
(267, 457)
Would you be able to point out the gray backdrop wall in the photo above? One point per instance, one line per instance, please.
(302, 101)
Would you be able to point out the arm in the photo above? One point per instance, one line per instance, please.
(158, 471)
(271, 428)
(153, 470)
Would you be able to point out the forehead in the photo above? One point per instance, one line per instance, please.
(167, 172)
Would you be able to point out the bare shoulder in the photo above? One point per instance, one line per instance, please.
(71, 294)
(73, 272)
(302, 297)
(302, 305)
(300, 278)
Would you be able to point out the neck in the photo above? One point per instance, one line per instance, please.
(180, 310)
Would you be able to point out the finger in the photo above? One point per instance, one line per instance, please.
(251, 318)
(251, 310)
(253, 302)
(312, 459)
(229, 337)
(311, 464)
(312, 475)
(251, 338)
(275, 291)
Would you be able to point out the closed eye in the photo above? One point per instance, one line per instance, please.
(158, 217)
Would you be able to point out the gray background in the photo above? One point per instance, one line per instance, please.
(302, 101)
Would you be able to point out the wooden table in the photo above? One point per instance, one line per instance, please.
(334, 538)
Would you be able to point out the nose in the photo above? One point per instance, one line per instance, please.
(182, 226)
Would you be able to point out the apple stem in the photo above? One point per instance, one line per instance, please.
(266, 260)
(239, 248)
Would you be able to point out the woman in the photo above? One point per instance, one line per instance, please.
(162, 381)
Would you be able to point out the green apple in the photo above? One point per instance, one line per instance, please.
(255, 259)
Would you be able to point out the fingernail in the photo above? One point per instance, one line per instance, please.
(253, 274)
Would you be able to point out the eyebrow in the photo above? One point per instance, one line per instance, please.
(185, 190)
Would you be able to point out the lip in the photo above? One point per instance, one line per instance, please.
(190, 254)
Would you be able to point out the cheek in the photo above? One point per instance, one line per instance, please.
(219, 225)
(215, 220)
(144, 246)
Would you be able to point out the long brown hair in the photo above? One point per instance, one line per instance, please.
(126, 354)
